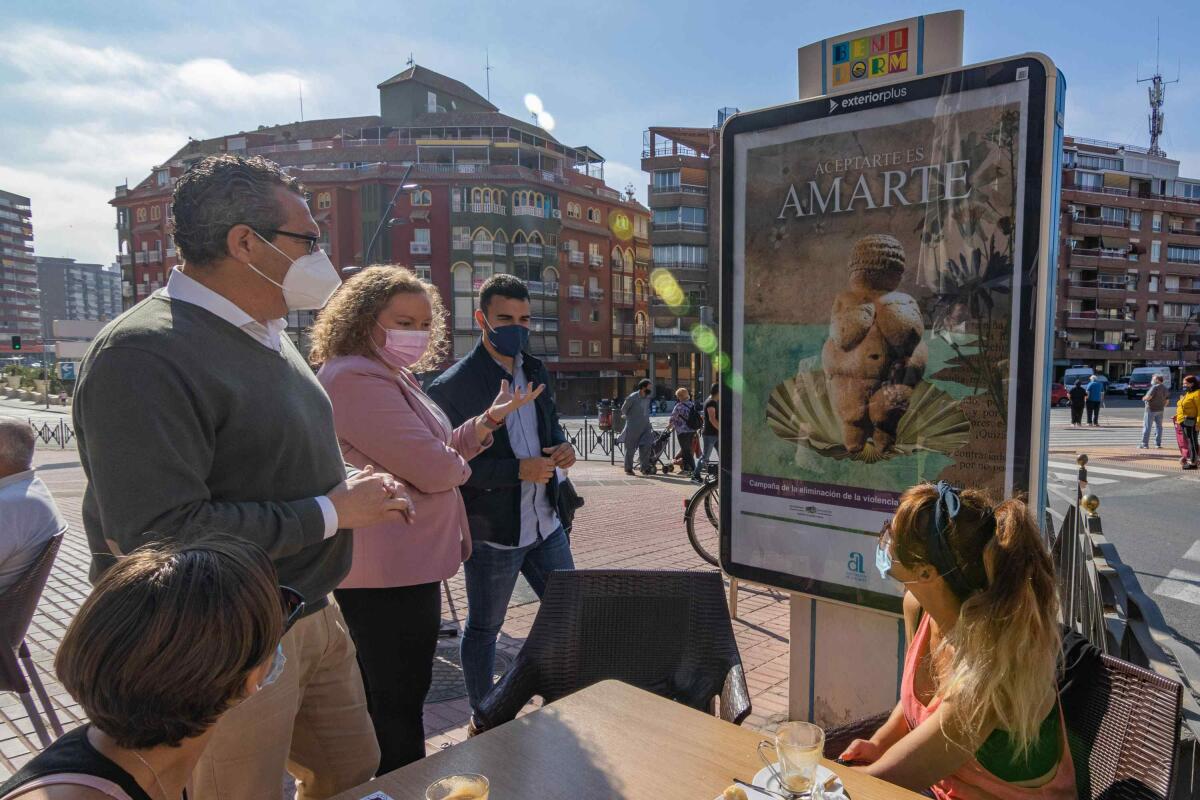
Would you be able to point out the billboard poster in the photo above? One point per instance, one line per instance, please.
(887, 315)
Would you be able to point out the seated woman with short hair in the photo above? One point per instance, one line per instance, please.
(978, 716)
(168, 640)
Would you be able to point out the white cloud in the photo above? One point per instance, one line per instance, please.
(92, 116)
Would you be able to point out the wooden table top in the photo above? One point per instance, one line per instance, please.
(608, 741)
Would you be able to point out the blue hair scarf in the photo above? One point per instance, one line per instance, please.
(940, 555)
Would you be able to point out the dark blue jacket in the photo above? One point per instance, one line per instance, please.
(492, 495)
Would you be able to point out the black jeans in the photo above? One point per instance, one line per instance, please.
(1093, 411)
(685, 449)
(396, 633)
(1077, 414)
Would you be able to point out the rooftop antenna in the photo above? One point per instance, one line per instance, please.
(487, 70)
(301, 85)
(1158, 94)
(410, 61)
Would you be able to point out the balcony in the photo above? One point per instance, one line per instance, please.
(124, 259)
(623, 298)
(483, 208)
(420, 248)
(689, 266)
(575, 257)
(459, 243)
(1100, 221)
(543, 288)
(170, 252)
(681, 188)
(575, 292)
(595, 260)
(596, 294)
(530, 211)
(483, 247)
(695, 227)
(668, 335)
(525, 250)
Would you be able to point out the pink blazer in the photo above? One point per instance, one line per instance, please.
(381, 420)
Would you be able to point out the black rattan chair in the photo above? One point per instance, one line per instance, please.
(1122, 727)
(666, 632)
(17, 606)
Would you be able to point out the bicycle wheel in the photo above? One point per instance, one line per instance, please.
(704, 529)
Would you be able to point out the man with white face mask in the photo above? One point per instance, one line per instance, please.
(195, 413)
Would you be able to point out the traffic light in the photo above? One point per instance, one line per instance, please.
(16, 343)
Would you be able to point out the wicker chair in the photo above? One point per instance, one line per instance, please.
(17, 605)
(1122, 728)
(666, 632)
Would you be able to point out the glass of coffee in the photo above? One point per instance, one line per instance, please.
(798, 747)
(458, 787)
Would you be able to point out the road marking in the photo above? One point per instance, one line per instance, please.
(1123, 473)
(1193, 553)
(1071, 477)
(1181, 585)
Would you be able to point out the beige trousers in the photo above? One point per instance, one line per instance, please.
(313, 722)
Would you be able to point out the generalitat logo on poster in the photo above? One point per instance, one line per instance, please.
(856, 569)
(875, 56)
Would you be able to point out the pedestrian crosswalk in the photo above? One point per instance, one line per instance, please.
(1068, 472)
(1183, 583)
(1107, 435)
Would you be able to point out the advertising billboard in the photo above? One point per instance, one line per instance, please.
(887, 297)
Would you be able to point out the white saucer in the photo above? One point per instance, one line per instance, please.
(764, 777)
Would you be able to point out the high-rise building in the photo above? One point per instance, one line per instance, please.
(70, 290)
(685, 187)
(442, 181)
(18, 272)
(1129, 260)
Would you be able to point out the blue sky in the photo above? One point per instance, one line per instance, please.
(96, 93)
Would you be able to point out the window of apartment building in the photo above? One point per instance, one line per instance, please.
(423, 271)
(639, 227)
(1151, 336)
(1155, 251)
(141, 215)
(593, 249)
(431, 102)
(686, 216)
(421, 236)
(1171, 283)
(593, 283)
(162, 177)
(324, 200)
(1091, 161)
(1183, 255)
(1135, 220)
(155, 213)
(1152, 312)
(422, 197)
(690, 254)
(575, 347)
(576, 314)
(594, 316)
(574, 211)
(1169, 341)
(665, 179)
(1190, 190)
(1115, 216)
(594, 347)
(1156, 222)
(1152, 283)
(593, 215)
(1089, 180)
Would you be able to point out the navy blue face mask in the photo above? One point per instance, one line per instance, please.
(508, 339)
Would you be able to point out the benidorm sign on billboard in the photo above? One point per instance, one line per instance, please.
(897, 51)
(887, 303)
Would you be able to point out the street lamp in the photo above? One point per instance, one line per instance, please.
(384, 219)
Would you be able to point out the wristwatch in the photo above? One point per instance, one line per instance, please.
(490, 423)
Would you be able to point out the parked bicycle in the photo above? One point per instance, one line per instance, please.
(702, 514)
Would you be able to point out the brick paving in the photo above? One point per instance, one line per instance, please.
(627, 523)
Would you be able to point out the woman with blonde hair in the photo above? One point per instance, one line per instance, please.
(978, 715)
(381, 327)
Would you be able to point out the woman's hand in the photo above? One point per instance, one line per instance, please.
(509, 399)
(861, 751)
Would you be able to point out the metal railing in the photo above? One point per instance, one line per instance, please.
(593, 443)
(1102, 600)
(53, 431)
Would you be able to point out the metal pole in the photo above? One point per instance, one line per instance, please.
(384, 217)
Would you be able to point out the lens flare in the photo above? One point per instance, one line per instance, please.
(546, 121)
(704, 339)
(723, 363)
(533, 104)
(736, 383)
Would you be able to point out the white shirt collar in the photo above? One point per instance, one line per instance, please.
(182, 287)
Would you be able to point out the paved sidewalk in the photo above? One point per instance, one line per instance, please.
(627, 523)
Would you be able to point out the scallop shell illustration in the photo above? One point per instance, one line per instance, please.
(800, 411)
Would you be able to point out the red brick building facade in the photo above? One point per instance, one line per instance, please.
(489, 193)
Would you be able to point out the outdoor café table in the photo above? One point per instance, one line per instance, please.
(606, 742)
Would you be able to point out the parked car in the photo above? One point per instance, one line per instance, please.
(1059, 395)
(1119, 386)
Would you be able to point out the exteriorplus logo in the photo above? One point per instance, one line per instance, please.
(866, 98)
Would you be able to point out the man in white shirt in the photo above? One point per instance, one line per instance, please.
(28, 516)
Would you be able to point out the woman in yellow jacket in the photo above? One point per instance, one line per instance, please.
(1186, 412)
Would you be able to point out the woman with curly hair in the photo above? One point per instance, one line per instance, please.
(382, 326)
(978, 716)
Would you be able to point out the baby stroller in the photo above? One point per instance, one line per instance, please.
(658, 452)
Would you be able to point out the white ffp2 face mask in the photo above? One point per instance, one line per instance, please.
(310, 281)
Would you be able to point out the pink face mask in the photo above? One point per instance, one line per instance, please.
(404, 348)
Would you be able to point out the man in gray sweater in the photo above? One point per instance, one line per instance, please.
(196, 415)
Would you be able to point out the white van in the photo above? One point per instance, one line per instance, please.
(1139, 380)
(1081, 374)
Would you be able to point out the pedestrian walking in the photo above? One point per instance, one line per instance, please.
(1095, 398)
(711, 430)
(686, 420)
(1155, 400)
(1187, 409)
(638, 433)
(1078, 396)
(237, 436)
(382, 326)
(512, 494)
